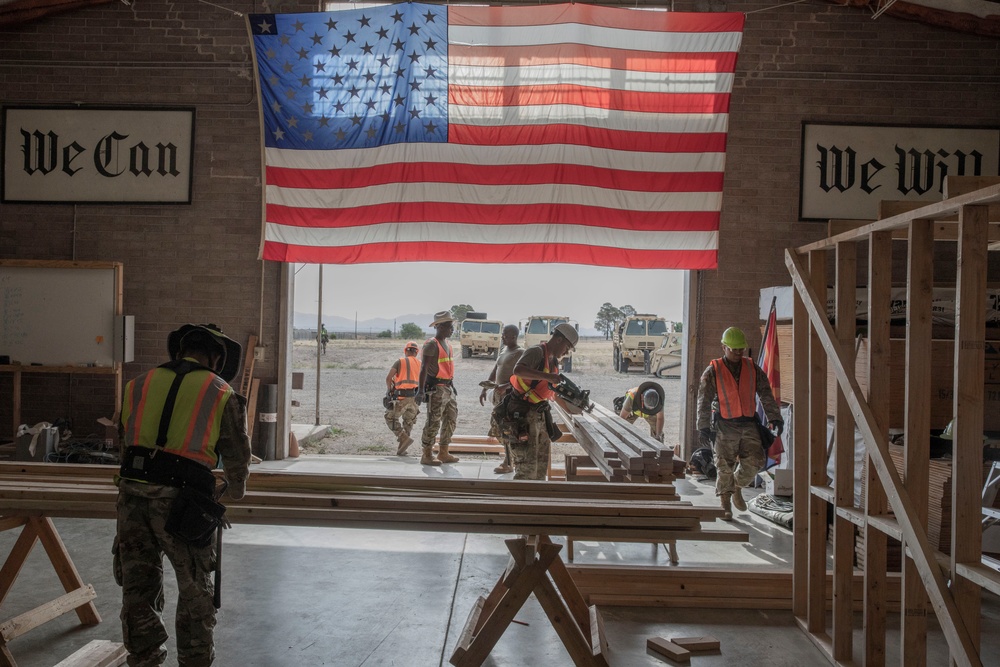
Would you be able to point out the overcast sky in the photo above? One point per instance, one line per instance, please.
(508, 292)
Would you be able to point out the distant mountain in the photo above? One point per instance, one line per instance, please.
(376, 324)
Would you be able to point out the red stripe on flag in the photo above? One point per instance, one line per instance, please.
(594, 98)
(593, 56)
(576, 135)
(535, 174)
(503, 254)
(655, 21)
(416, 212)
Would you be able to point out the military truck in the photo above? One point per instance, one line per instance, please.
(479, 335)
(665, 362)
(538, 329)
(635, 339)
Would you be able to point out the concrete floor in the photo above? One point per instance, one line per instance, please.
(304, 597)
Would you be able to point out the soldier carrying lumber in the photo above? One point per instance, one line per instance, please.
(727, 401)
(177, 422)
(524, 416)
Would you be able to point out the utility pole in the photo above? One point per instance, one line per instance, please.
(319, 338)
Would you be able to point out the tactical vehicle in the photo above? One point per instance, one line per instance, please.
(480, 335)
(634, 341)
(665, 361)
(538, 329)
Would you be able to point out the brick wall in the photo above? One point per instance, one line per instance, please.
(810, 62)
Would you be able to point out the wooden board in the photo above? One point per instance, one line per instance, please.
(669, 650)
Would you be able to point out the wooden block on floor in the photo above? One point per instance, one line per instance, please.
(98, 653)
(697, 644)
(669, 650)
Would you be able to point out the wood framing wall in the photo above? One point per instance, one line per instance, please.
(932, 582)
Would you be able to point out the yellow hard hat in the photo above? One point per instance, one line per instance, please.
(734, 338)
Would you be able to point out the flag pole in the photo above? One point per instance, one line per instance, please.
(319, 338)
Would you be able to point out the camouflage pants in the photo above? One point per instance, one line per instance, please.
(442, 412)
(531, 458)
(400, 417)
(738, 455)
(141, 543)
(495, 397)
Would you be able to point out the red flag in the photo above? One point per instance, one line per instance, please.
(770, 365)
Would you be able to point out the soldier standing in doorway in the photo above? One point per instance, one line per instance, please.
(437, 371)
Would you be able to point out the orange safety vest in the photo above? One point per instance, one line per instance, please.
(446, 365)
(406, 376)
(534, 391)
(736, 398)
(197, 418)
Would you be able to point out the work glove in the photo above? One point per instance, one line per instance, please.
(778, 426)
(706, 437)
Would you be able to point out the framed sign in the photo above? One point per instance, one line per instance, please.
(847, 170)
(97, 155)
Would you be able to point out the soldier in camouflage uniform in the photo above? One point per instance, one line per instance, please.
(208, 423)
(727, 400)
(535, 373)
(401, 386)
(437, 372)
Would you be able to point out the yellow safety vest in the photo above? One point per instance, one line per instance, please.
(197, 417)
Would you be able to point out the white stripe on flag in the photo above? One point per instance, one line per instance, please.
(468, 195)
(490, 235)
(615, 38)
(496, 155)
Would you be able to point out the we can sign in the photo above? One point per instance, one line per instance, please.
(847, 169)
(96, 155)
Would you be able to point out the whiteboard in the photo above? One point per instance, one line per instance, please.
(58, 313)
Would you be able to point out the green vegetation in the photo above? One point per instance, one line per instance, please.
(411, 330)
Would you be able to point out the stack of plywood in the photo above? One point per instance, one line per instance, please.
(942, 379)
(623, 452)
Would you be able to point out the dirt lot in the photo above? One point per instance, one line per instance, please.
(352, 383)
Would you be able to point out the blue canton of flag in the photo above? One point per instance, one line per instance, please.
(353, 79)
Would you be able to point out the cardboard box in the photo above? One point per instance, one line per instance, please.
(778, 482)
(48, 440)
(109, 431)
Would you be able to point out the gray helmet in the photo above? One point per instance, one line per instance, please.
(651, 397)
(229, 350)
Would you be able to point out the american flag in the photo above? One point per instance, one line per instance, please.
(560, 133)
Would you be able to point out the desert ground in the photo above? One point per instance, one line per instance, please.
(352, 384)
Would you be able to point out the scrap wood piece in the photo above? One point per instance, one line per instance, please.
(98, 653)
(669, 650)
(697, 644)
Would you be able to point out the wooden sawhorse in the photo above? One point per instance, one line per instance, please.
(535, 567)
(78, 597)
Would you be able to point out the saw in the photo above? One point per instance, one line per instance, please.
(570, 393)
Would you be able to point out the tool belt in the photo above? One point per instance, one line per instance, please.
(158, 466)
(405, 393)
(431, 383)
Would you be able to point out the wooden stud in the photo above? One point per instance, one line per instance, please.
(967, 443)
(919, 291)
(843, 530)
(875, 603)
(816, 612)
(668, 649)
(697, 644)
(98, 653)
(800, 459)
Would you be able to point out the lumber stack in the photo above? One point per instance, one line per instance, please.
(698, 587)
(573, 509)
(623, 452)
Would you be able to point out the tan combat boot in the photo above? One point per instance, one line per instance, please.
(444, 456)
(427, 458)
(727, 507)
(404, 442)
(738, 501)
